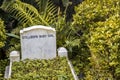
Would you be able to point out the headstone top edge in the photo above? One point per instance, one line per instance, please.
(37, 27)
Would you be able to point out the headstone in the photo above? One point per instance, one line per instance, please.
(14, 56)
(38, 42)
(62, 52)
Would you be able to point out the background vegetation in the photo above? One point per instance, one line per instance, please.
(91, 32)
(100, 23)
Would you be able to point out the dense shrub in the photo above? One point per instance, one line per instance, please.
(99, 23)
(53, 69)
(2, 37)
(3, 64)
(2, 33)
(104, 44)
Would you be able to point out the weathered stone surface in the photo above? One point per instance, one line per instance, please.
(6, 72)
(62, 52)
(14, 56)
(38, 42)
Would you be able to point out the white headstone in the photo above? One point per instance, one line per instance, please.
(62, 52)
(14, 56)
(38, 42)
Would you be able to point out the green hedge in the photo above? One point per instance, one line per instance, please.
(104, 44)
(100, 23)
(2, 37)
(3, 64)
(2, 33)
(53, 69)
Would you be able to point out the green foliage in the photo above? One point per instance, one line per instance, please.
(2, 37)
(62, 29)
(13, 46)
(3, 64)
(104, 45)
(28, 15)
(90, 12)
(53, 69)
(13, 43)
(2, 33)
(25, 13)
(13, 35)
(49, 14)
(68, 37)
(65, 3)
(42, 4)
(99, 23)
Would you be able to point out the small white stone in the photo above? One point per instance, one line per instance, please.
(14, 56)
(62, 52)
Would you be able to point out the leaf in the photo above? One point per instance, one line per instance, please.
(47, 10)
(13, 35)
(25, 13)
